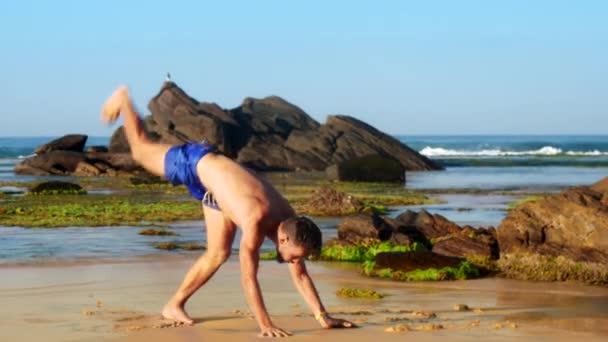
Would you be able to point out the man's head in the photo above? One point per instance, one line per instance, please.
(297, 237)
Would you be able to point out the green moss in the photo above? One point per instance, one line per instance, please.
(551, 268)
(465, 270)
(157, 232)
(525, 200)
(359, 293)
(95, 210)
(53, 188)
(375, 209)
(484, 263)
(272, 255)
(56, 192)
(191, 246)
(362, 253)
(169, 246)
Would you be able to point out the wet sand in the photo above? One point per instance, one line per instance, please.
(121, 301)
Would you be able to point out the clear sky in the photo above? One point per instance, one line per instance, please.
(406, 67)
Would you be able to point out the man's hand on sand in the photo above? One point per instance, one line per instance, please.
(329, 323)
(273, 331)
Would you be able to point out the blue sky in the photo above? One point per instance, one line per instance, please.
(406, 67)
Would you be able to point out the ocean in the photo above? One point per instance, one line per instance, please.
(487, 162)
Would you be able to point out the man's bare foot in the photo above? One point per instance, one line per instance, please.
(176, 313)
(111, 109)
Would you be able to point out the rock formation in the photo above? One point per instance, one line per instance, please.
(269, 133)
(573, 224)
(265, 134)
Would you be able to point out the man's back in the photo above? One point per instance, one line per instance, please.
(241, 195)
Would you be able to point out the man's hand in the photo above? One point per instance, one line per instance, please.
(327, 322)
(273, 331)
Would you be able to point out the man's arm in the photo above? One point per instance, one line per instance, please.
(249, 259)
(306, 287)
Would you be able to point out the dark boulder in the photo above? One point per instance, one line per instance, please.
(363, 228)
(56, 187)
(431, 226)
(371, 168)
(50, 163)
(84, 169)
(93, 149)
(117, 161)
(147, 179)
(573, 224)
(267, 134)
(70, 142)
(344, 138)
(476, 243)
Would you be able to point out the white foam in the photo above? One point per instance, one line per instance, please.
(544, 151)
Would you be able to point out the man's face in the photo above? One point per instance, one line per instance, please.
(288, 252)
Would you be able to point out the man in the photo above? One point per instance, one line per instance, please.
(240, 199)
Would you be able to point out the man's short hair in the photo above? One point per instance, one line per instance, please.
(304, 232)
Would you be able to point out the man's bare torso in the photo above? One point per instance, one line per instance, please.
(241, 195)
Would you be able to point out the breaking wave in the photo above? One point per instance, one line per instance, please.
(544, 151)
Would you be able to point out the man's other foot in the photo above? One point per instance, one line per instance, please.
(176, 313)
(111, 109)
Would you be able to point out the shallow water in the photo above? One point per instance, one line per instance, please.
(95, 244)
(78, 244)
(523, 178)
(473, 210)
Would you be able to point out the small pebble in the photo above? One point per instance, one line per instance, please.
(88, 313)
(398, 328)
(461, 307)
(430, 327)
(424, 314)
(395, 319)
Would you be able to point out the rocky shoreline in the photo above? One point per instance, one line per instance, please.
(268, 134)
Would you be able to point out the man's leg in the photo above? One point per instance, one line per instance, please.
(149, 154)
(220, 235)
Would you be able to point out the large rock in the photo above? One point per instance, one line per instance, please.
(431, 226)
(469, 242)
(56, 187)
(63, 163)
(573, 224)
(433, 231)
(343, 138)
(268, 134)
(363, 228)
(70, 142)
(327, 201)
(52, 163)
(371, 168)
(601, 186)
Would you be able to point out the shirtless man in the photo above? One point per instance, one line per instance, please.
(246, 201)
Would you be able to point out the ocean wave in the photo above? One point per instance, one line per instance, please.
(544, 151)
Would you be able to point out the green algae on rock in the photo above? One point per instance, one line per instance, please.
(157, 232)
(171, 245)
(359, 293)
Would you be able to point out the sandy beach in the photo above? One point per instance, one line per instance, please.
(121, 301)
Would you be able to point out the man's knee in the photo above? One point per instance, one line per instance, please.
(217, 258)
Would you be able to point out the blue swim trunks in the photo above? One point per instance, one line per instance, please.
(180, 168)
